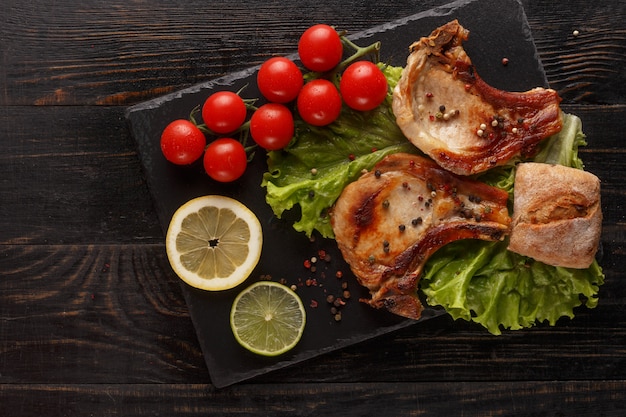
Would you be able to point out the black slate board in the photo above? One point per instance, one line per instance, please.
(498, 29)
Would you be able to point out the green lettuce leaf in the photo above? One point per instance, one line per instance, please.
(473, 280)
(485, 283)
(320, 161)
(562, 148)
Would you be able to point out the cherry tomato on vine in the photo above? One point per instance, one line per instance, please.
(182, 143)
(319, 102)
(279, 79)
(363, 86)
(224, 112)
(320, 48)
(225, 160)
(271, 126)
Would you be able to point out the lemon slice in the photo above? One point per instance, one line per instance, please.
(213, 242)
(267, 318)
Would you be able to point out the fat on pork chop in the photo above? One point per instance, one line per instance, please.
(389, 221)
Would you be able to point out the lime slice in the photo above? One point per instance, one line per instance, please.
(214, 242)
(267, 318)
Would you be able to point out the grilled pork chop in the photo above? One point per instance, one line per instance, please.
(389, 221)
(445, 109)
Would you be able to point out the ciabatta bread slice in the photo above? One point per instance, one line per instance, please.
(557, 217)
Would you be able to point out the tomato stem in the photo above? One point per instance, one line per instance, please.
(359, 52)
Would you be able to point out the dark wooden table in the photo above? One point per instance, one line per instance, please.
(93, 321)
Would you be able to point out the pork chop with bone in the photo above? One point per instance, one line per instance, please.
(389, 222)
(445, 109)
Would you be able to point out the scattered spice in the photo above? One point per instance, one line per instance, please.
(339, 302)
(505, 61)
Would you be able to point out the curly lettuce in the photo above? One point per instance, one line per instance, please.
(485, 283)
(473, 280)
(320, 161)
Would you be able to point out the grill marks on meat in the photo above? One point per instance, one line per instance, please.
(389, 222)
(444, 108)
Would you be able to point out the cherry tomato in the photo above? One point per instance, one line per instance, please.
(225, 160)
(363, 86)
(319, 102)
(279, 80)
(182, 143)
(271, 126)
(320, 48)
(224, 112)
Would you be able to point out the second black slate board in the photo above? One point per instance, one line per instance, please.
(498, 29)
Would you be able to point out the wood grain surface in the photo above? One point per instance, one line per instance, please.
(93, 321)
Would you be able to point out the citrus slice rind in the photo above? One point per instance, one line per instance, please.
(214, 242)
(268, 318)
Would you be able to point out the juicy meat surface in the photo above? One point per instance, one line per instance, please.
(389, 221)
(445, 109)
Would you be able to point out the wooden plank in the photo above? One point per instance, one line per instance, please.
(585, 67)
(94, 313)
(93, 322)
(100, 195)
(116, 314)
(121, 54)
(519, 399)
(75, 178)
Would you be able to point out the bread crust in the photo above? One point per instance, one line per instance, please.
(557, 216)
